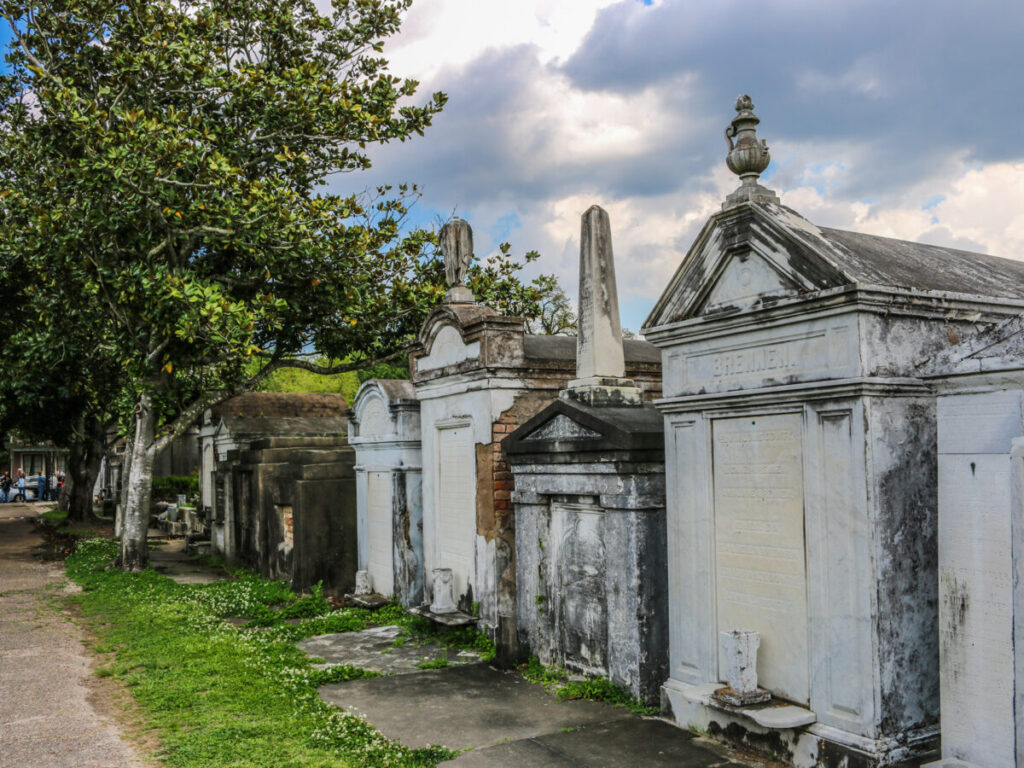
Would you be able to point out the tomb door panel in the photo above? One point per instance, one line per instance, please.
(760, 561)
(581, 608)
(455, 511)
(379, 532)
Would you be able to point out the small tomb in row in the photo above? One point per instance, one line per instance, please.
(980, 414)
(478, 376)
(590, 504)
(384, 430)
(801, 472)
(277, 478)
(293, 510)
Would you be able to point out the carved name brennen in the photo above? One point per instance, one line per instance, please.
(776, 357)
(761, 577)
(760, 356)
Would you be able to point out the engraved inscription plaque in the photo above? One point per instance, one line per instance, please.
(455, 541)
(760, 567)
(379, 532)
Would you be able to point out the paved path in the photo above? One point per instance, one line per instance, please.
(46, 717)
(500, 720)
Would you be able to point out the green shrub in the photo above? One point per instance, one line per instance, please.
(167, 487)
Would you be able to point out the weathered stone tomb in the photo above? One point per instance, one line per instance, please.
(801, 472)
(478, 375)
(236, 424)
(980, 413)
(384, 430)
(293, 510)
(277, 478)
(590, 504)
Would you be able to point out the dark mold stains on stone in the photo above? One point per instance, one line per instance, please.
(956, 600)
(831, 755)
(770, 743)
(907, 534)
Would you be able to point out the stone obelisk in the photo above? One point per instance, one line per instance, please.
(456, 243)
(600, 360)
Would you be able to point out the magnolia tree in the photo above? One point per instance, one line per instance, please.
(164, 166)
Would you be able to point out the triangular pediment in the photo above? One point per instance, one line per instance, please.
(745, 280)
(561, 427)
(745, 258)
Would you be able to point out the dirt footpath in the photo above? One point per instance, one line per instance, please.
(48, 718)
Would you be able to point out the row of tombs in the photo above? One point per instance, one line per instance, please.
(793, 515)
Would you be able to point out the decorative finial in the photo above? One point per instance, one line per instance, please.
(456, 243)
(748, 156)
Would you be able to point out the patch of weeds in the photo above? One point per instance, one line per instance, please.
(400, 642)
(603, 689)
(213, 693)
(536, 672)
(595, 689)
(104, 671)
(418, 630)
(309, 607)
(339, 673)
(571, 729)
(55, 515)
(439, 663)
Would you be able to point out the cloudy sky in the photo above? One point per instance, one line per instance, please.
(903, 119)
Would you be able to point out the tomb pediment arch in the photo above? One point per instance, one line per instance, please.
(747, 258)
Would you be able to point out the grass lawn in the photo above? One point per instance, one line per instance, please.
(218, 695)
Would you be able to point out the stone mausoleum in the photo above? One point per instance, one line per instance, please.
(384, 430)
(801, 474)
(478, 375)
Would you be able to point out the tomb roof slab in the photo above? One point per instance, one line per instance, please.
(756, 255)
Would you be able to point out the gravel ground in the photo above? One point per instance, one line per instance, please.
(48, 714)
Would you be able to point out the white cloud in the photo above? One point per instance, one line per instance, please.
(557, 106)
(439, 34)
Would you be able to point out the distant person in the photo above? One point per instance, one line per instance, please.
(41, 488)
(21, 483)
(54, 493)
(5, 487)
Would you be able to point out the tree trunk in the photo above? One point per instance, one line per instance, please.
(76, 457)
(84, 467)
(121, 486)
(134, 553)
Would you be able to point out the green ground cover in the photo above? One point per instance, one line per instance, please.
(221, 696)
(556, 680)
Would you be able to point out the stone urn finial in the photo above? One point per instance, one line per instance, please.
(748, 156)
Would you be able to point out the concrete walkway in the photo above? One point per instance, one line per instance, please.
(500, 720)
(47, 718)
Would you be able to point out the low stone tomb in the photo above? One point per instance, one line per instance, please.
(292, 510)
(980, 415)
(236, 424)
(590, 504)
(801, 470)
(384, 430)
